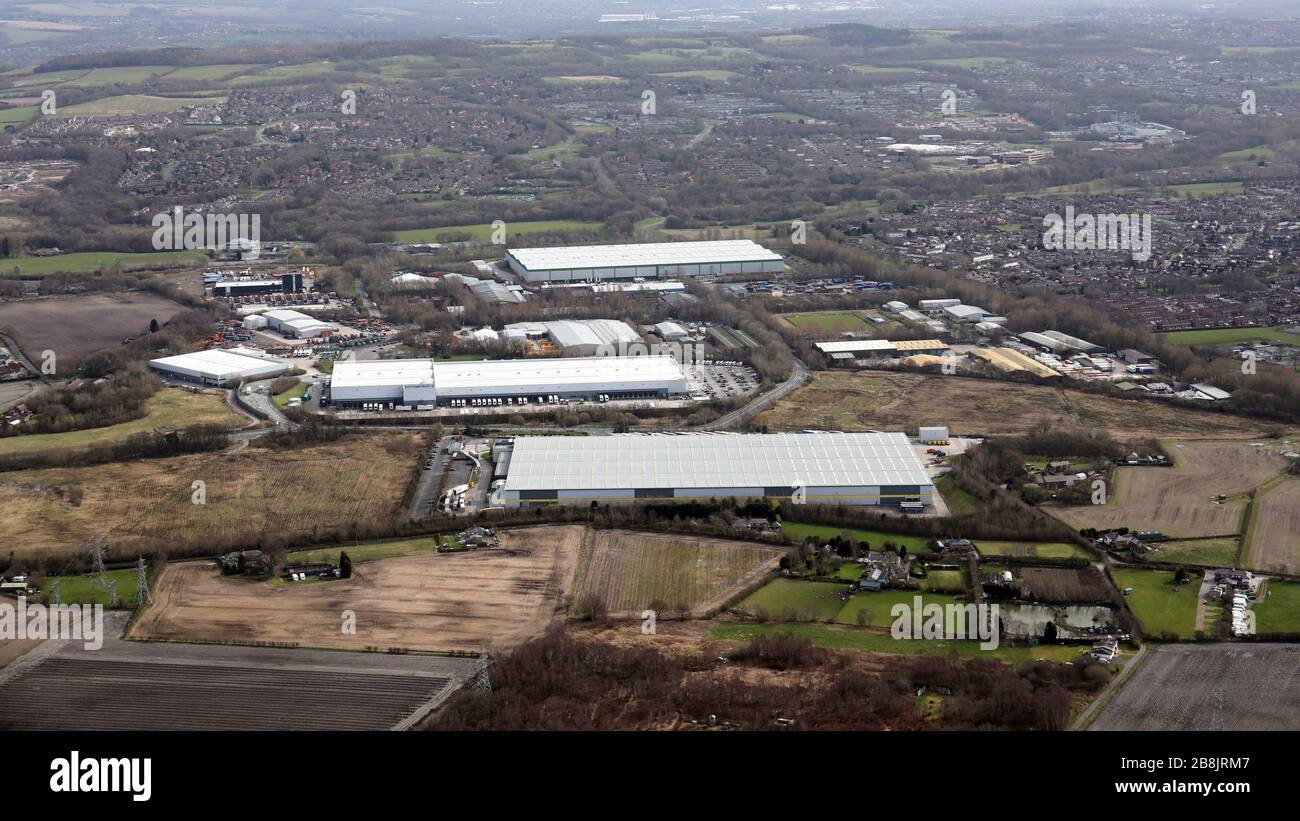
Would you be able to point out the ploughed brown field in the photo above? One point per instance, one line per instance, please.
(74, 326)
(492, 599)
(884, 400)
(1275, 532)
(1209, 687)
(631, 571)
(1179, 501)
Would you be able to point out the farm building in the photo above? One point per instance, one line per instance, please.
(428, 382)
(218, 367)
(819, 468)
(646, 260)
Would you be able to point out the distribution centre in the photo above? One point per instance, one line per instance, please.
(814, 468)
(645, 259)
(218, 367)
(428, 382)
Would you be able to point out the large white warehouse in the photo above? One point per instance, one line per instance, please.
(646, 259)
(815, 468)
(296, 324)
(428, 382)
(579, 337)
(218, 367)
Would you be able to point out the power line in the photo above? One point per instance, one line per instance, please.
(481, 680)
(142, 596)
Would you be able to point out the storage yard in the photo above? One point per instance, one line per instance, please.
(825, 468)
(144, 686)
(646, 259)
(444, 602)
(629, 572)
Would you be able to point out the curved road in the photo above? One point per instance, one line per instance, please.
(763, 402)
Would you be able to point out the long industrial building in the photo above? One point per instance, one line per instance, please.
(218, 367)
(815, 468)
(424, 382)
(646, 259)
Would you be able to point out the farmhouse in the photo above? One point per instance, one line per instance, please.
(646, 260)
(817, 468)
(426, 382)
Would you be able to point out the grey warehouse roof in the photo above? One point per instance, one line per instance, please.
(642, 253)
(714, 460)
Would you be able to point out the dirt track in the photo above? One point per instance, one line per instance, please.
(462, 601)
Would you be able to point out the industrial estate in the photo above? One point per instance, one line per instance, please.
(669, 369)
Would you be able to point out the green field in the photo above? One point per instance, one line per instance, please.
(31, 267)
(483, 231)
(19, 114)
(877, 606)
(827, 322)
(874, 538)
(869, 69)
(169, 409)
(134, 104)
(1103, 185)
(1259, 152)
(945, 581)
(1228, 336)
(279, 75)
(207, 73)
(1053, 550)
(86, 589)
(120, 75)
(700, 74)
(368, 551)
(840, 637)
(1215, 552)
(970, 62)
(1161, 605)
(1254, 49)
(782, 598)
(794, 599)
(1278, 611)
(957, 499)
